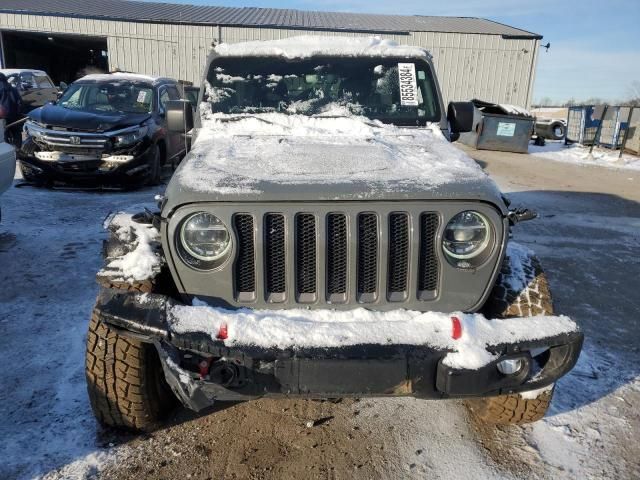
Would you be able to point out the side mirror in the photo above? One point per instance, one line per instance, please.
(179, 116)
(460, 116)
(63, 85)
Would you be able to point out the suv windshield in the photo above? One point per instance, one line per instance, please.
(116, 97)
(392, 90)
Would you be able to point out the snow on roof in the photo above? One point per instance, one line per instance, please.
(11, 71)
(105, 77)
(306, 46)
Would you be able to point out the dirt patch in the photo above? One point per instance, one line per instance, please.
(259, 440)
(508, 449)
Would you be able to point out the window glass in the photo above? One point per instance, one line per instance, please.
(392, 90)
(28, 80)
(109, 97)
(164, 98)
(173, 92)
(43, 82)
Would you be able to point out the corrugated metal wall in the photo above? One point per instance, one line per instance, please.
(469, 65)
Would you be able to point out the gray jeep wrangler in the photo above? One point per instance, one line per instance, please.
(323, 239)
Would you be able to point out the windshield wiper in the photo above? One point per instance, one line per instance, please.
(237, 118)
(366, 122)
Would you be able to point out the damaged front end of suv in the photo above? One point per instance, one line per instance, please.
(323, 239)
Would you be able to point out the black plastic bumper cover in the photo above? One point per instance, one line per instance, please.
(243, 373)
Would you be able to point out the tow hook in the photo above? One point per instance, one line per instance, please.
(521, 215)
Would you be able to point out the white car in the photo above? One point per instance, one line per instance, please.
(7, 162)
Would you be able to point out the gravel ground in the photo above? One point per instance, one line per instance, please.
(588, 238)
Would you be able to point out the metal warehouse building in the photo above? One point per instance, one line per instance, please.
(474, 58)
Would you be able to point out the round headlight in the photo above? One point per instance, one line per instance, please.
(467, 235)
(205, 237)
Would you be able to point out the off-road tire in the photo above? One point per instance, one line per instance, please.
(125, 381)
(534, 299)
(505, 302)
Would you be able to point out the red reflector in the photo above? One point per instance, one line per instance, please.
(456, 328)
(204, 367)
(222, 332)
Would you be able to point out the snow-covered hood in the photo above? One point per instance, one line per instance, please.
(277, 157)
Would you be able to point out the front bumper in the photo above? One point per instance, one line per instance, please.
(86, 172)
(201, 370)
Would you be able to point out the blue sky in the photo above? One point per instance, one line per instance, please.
(595, 45)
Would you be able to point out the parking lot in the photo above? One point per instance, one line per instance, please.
(587, 236)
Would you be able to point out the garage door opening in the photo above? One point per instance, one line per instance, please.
(64, 57)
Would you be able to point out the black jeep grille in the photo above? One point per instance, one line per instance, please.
(275, 273)
(336, 254)
(306, 254)
(245, 268)
(428, 279)
(398, 254)
(332, 257)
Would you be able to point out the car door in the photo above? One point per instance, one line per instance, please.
(175, 140)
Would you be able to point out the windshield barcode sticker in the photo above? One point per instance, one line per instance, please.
(408, 86)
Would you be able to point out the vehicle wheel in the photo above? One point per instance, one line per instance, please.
(511, 409)
(155, 166)
(505, 302)
(125, 380)
(534, 299)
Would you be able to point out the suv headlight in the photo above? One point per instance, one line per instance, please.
(205, 240)
(130, 137)
(466, 236)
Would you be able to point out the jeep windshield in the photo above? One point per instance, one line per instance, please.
(392, 90)
(115, 97)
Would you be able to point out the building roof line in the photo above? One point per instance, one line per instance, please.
(255, 17)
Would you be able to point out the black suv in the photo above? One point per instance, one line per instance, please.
(106, 129)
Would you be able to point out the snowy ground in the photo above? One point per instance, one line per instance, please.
(579, 154)
(588, 238)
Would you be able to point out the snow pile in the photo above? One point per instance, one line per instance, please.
(298, 328)
(580, 155)
(515, 110)
(307, 46)
(238, 154)
(521, 269)
(144, 259)
(106, 77)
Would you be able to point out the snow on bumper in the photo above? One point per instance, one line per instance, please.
(295, 329)
(209, 353)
